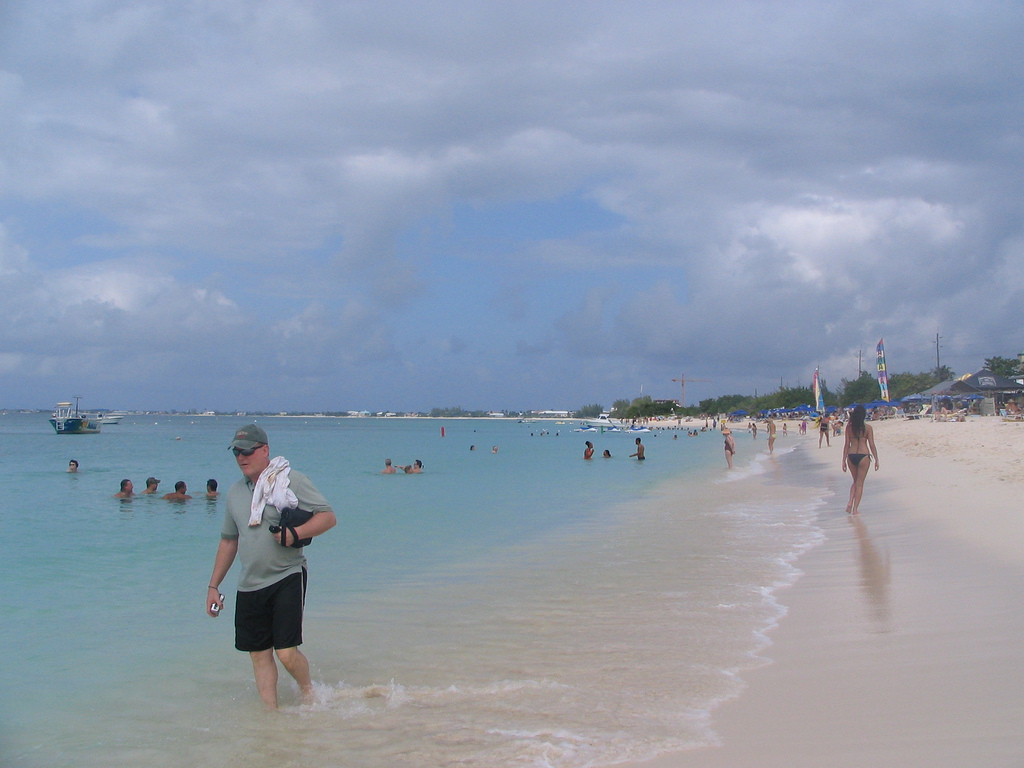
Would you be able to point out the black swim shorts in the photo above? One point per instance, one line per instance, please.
(271, 617)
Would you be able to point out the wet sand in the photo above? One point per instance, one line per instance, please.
(903, 641)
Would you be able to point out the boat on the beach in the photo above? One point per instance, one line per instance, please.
(69, 420)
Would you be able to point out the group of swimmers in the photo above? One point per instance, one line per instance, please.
(415, 468)
(588, 451)
(180, 492)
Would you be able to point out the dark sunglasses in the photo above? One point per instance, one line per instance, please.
(246, 451)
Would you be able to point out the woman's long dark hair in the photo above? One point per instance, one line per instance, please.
(857, 421)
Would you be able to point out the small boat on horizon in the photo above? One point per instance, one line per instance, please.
(69, 420)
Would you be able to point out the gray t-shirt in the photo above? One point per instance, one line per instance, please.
(264, 561)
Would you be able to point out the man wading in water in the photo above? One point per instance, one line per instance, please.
(272, 588)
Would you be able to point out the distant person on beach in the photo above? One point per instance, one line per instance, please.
(180, 492)
(413, 469)
(72, 466)
(588, 452)
(388, 469)
(770, 426)
(211, 489)
(151, 484)
(639, 451)
(607, 454)
(127, 490)
(823, 430)
(858, 451)
(730, 445)
(272, 586)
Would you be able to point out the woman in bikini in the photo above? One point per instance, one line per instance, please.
(858, 451)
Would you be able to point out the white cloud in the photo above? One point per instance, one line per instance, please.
(784, 182)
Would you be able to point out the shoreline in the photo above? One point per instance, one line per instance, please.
(901, 642)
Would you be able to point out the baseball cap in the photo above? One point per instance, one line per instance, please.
(249, 437)
(152, 481)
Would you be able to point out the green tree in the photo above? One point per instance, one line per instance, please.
(640, 408)
(620, 409)
(863, 389)
(903, 384)
(590, 411)
(1004, 366)
(725, 404)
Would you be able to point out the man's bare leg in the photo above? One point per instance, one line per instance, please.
(298, 667)
(265, 669)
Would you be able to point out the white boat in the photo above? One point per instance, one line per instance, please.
(111, 417)
(603, 423)
(68, 420)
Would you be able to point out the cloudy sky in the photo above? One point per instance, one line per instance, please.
(248, 204)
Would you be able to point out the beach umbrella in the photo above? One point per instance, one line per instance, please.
(915, 398)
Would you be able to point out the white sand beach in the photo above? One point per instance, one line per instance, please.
(902, 644)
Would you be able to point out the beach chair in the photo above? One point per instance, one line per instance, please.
(920, 414)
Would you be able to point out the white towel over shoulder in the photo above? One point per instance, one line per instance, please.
(272, 488)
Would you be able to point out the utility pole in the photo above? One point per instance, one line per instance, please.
(937, 366)
(860, 358)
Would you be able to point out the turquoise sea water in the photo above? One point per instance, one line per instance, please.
(522, 607)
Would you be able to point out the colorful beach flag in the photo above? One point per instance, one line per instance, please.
(819, 396)
(883, 377)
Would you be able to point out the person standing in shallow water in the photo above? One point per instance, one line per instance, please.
(272, 587)
(730, 445)
(639, 451)
(858, 450)
(588, 452)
